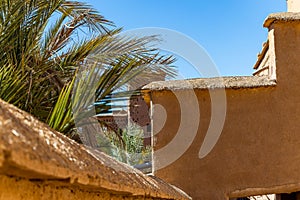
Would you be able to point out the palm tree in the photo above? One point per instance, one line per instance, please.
(45, 45)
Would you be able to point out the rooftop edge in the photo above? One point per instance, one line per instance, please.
(234, 82)
(282, 16)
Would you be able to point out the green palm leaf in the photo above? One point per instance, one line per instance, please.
(53, 52)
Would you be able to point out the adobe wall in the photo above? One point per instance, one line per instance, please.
(37, 162)
(293, 5)
(12, 188)
(258, 151)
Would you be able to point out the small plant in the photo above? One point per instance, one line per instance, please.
(132, 149)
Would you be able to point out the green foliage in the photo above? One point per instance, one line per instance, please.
(61, 118)
(132, 151)
(58, 57)
(11, 85)
(38, 57)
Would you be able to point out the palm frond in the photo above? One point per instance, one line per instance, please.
(12, 86)
(61, 61)
(88, 15)
(61, 118)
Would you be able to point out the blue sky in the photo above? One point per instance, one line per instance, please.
(230, 31)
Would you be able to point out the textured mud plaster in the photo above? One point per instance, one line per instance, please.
(293, 5)
(235, 82)
(258, 151)
(282, 17)
(39, 163)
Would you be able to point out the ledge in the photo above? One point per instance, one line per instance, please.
(261, 55)
(283, 16)
(235, 82)
(31, 151)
